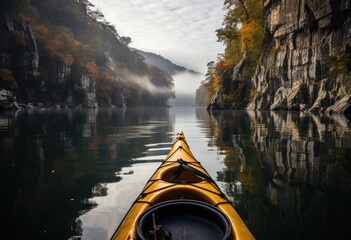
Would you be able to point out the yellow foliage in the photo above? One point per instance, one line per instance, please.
(233, 53)
(251, 35)
(216, 83)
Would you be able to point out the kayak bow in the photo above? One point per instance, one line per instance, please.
(181, 201)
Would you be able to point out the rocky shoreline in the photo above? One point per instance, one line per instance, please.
(9, 102)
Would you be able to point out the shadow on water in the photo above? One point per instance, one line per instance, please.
(288, 173)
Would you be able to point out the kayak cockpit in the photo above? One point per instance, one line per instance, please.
(183, 219)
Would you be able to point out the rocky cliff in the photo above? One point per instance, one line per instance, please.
(22, 58)
(63, 53)
(21, 54)
(306, 63)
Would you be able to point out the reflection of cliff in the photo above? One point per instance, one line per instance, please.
(303, 148)
(52, 168)
(295, 171)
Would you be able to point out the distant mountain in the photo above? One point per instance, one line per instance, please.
(163, 63)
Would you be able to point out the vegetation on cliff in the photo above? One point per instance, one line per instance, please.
(282, 55)
(242, 36)
(74, 39)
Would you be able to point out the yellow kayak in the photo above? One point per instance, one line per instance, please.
(181, 201)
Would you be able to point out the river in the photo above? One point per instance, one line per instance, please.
(73, 174)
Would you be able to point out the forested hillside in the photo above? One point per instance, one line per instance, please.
(64, 53)
(163, 63)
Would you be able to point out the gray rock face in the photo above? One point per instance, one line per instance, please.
(7, 100)
(31, 57)
(342, 106)
(24, 58)
(88, 87)
(64, 88)
(295, 73)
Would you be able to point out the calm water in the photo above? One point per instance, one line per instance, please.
(73, 174)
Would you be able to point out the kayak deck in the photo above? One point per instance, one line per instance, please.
(181, 177)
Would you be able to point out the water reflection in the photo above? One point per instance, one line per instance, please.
(74, 174)
(288, 173)
(57, 163)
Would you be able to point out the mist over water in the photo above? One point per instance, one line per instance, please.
(185, 89)
(145, 83)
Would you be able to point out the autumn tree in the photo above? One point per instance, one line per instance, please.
(242, 36)
(242, 31)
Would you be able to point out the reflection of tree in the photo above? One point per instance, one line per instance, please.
(246, 174)
(235, 159)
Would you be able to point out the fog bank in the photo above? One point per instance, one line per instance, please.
(185, 89)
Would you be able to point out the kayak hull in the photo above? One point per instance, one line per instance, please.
(181, 177)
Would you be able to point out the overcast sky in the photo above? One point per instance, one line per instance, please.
(182, 31)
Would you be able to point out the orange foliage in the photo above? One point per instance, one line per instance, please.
(56, 43)
(59, 42)
(57, 49)
(93, 68)
(41, 31)
(67, 58)
(68, 38)
(221, 65)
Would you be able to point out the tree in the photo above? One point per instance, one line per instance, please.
(243, 26)
(242, 35)
(125, 40)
